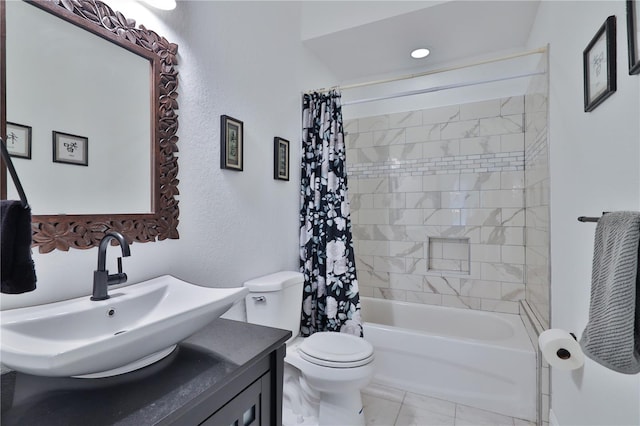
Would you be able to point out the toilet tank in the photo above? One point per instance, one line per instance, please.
(275, 300)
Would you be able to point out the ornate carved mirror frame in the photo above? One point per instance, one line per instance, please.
(85, 231)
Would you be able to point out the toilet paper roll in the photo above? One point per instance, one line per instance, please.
(560, 349)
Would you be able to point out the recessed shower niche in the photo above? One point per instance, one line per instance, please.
(448, 255)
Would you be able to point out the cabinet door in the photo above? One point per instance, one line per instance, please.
(249, 408)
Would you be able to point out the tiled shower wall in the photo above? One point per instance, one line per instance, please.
(536, 157)
(449, 180)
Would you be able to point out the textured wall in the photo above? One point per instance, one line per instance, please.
(454, 172)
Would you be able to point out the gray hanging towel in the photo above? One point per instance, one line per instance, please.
(18, 272)
(612, 334)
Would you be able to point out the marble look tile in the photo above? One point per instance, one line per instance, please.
(512, 254)
(501, 125)
(422, 200)
(365, 291)
(376, 154)
(406, 249)
(448, 182)
(442, 217)
(480, 288)
(481, 217)
(481, 109)
(441, 114)
(512, 291)
(405, 216)
(521, 422)
(460, 200)
(373, 248)
(463, 302)
(371, 186)
(405, 184)
(406, 282)
(364, 263)
(391, 200)
(462, 129)
(389, 232)
(409, 151)
(448, 265)
(441, 285)
(416, 266)
(503, 272)
(513, 217)
(415, 233)
(512, 105)
(359, 140)
(446, 148)
(502, 198)
(424, 298)
(405, 119)
(504, 307)
(360, 201)
(479, 181)
(350, 126)
(468, 416)
(390, 294)
(429, 403)
(512, 180)
(512, 142)
(368, 124)
(368, 278)
(373, 217)
(379, 411)
(389, 264)
(426, 133)
(388, 137)
(415, 416)
(480, 145)
(379, 390)
(485, 253)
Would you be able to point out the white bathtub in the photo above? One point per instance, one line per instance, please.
(476, 358)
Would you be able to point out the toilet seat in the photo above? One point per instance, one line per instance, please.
(336, 350)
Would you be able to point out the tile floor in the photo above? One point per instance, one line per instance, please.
(385, 406)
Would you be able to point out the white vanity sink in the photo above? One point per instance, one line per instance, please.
(137, 326)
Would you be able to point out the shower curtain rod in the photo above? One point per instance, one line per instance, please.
(438, 88)
(436, 71)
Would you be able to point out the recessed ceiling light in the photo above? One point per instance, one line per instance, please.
(420, 53)
(162, 4)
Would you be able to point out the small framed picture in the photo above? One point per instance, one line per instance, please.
(19, 140)
(633, 35)
(280, 158)
(231, 139)
(70, 149)
(599, 61)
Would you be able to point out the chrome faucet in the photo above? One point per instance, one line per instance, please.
(101, 277)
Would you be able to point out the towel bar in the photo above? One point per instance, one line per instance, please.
(589, 218)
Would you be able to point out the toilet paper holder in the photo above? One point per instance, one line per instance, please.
(563, 353)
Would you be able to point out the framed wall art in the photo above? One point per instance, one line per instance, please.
(633, 35)
(599, 62)
(70, 149)
(19, 140)
(231, 140)
(280, 158)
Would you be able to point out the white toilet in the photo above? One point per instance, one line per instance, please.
(324, 372)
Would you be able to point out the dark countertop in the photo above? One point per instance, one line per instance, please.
(203, 363)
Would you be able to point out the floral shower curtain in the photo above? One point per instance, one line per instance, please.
(331, 301)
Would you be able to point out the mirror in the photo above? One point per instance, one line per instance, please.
(118, 109)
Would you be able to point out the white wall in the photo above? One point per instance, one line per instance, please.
(233, 225)
(594, 168)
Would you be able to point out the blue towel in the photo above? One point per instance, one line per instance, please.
(612, 334)
(18, 272)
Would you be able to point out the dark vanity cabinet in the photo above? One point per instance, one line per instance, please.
(228, 374)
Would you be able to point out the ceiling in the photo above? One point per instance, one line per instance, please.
(455, 31)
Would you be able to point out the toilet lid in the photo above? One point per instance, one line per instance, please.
(338, 350)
